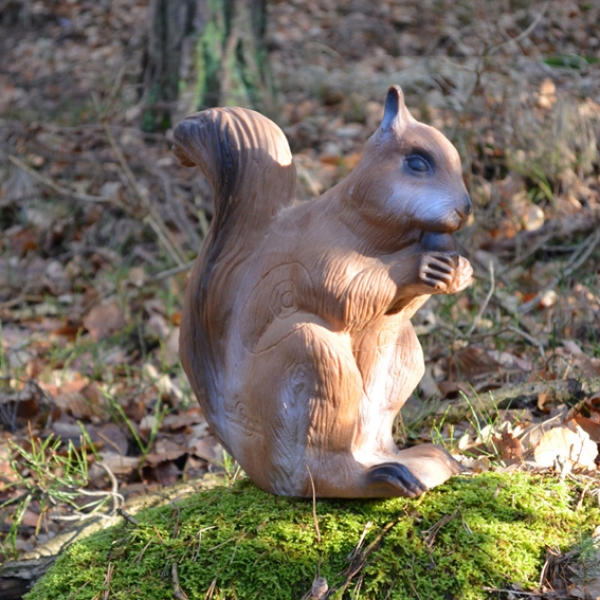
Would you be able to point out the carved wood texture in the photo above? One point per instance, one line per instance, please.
(296, 333)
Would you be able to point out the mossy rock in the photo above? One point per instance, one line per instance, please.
(470, 535)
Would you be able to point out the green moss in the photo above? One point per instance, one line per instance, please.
(453, 542)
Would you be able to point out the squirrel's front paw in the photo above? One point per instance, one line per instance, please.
(463, 276)
(438, 271)
(445, 273)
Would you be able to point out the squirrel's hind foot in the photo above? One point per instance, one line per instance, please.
(395, 479)
(413, 471)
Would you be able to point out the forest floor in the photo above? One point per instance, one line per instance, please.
(99, 223)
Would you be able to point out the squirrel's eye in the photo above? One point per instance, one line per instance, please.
(417, 164)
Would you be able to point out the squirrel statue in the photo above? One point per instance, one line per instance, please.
(296, 333)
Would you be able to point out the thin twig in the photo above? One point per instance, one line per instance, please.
(107, 579)
(118, 499)
(525, 33)
(361, 559)
(178, 214)
(152, 217)
(127, 517)
(414, 589)
(59, 189)
(532, 248)
(389, 592)
(114, 92)
(533, 341)
(575, 262)
(211, 589)
(314, 507)
(78, 517)
(582, 496)
(360, 542)
(481, 66)
(430, 534)
(178, 593)
(501, 298)
(76, 592)
(513, 592)
(358, 586)
(174, 271)
(543, 573)
(485, 302)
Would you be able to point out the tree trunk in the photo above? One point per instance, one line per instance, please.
(231, 58)
(168, 23)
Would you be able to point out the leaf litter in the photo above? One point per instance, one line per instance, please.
(90, 298)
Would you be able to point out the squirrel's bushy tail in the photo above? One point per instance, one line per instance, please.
(247, 161)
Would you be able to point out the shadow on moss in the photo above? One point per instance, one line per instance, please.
(456, 541)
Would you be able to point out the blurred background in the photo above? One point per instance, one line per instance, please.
(99, 222)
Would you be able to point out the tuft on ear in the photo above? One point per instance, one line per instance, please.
(396, 115)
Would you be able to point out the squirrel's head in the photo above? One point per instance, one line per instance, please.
(410, 175)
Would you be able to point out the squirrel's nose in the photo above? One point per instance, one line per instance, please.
(465, 208)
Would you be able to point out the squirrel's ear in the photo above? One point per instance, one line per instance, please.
(396, 115)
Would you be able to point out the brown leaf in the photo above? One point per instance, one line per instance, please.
(103, 320)
(452, 389)
(78, 397)
(30, 518)
(120, 465)
(480, 464)
(510, 447)
(183, 419)
(541, 401)
(564, 443)
(207, 448)
(156, 459)
(75, 404)
(171, 348)
(470, 362)
(69, 331)
(114, 439)
(589, 426)
(157, 327)
(27, 400)
(23, 240)
(165, 473)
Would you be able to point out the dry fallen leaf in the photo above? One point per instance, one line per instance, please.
(156, 459)
(585, 578)
(119, 465)
(470, 362)
(103, 320)
(80, 399)
(207, 448)
(184, 419)
(111, 436)
(480, 464)
(510, 446)
(590, 427)
(585, 592)
(572, 446)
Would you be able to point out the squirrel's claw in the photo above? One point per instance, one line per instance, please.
(437, 270)
(445, 273)
(397, 476)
